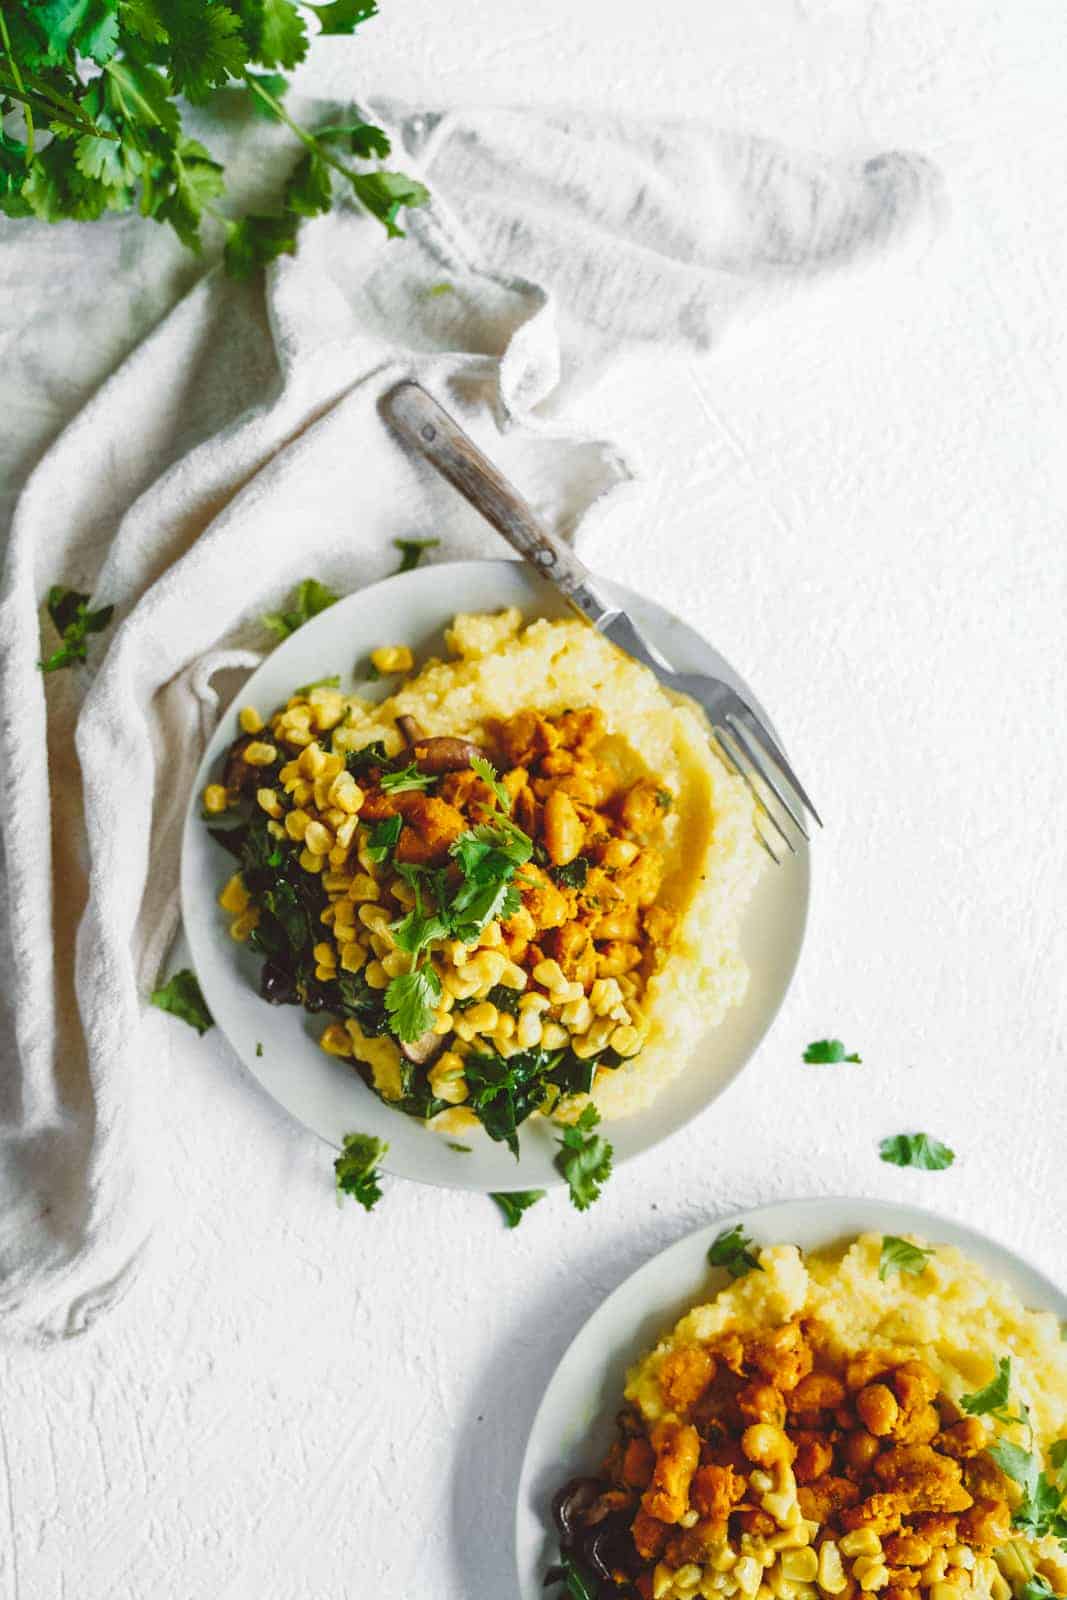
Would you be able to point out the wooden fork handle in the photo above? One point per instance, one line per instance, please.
(438, 436)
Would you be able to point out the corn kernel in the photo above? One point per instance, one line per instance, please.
(363, 887)
(577, 1015)
(446, 1078)
(748, 1573)
(534, 1002)
(235, 896)
(392, 658)
(831, 1577)
(335, 1041)
(275, 830)
(310, 861)
(482, 1018)
(442, 1024)
(553, 1037)
(604, 994)
(875, 1574)
(662, 1580)
(338, 856)
(376, 975)
(346, 794)
(317, 838)
(353, 956)
(216, 798)
(327, 915)
(250, 720)
(687, 1578)
(260, 754)
(396, 962)
(325, 955)
(346, 832)
(242, 926)
(961, 1555)
(296, 823)
(268, 801)
(505, 1027)
(329, 707)
(550, 975)
(800, 1566)
(371, 916)
(626, 1040)
(302, 793)
(312, 760)
(861, 1542)
(943, 1591)
(491, 938)
(486, 967)
(566, 993)
(513, 977)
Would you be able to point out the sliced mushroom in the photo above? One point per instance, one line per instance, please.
(237, 774)
(409, 728)
(571, 1503)
(444, 754)
(423, 1049)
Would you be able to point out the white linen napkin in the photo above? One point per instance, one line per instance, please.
(238, 450)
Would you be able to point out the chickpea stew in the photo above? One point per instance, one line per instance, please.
(479, 914)
(762, 1455)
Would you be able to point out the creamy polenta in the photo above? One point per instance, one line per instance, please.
(883, 1418)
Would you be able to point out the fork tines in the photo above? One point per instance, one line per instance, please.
(756, 757)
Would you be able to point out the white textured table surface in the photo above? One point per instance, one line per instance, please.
(865, 511)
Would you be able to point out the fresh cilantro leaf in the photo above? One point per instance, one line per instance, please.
(1058, 1457)
(900, 1255)
(505, 999)
(276, 85)
(584, 1159)
(88, 26)
(386, 194)
(730, 1249)
(437, 291)
(407, 778)
(664, 799)
(416, 930)
(916, 1150)
(74, 622)
(994, 1397)
(309, 190)
(362, 139)
(276, 32)
(205, 47)
(1035, 1588)
(181, 996)
(383, 837)
(412, 552)
(356, 1168)
(502, 1094)
(572, 874)
(259, 1048)
(194, 180)
(464, 1149)
(411, 1001)
(359, 762)
(343, 16)
(829, 1050)
(1040, 1511)
(308, 600)
(516, 1202)
(250, 244)
(333, 682)
(487, 772)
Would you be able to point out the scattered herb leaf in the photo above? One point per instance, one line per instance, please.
(369, 755)
(994, 1397)
(731, 1249)
(900, 1255)
(356, 1168)
(181, 996)
(407, 778)
(572, 874)
(825, 1051)
(259, 1048)
(412, 552)
(383, 837)
(916, 1150)
(333, 682)
(464, 1149)
(514, 1203)
(584, 1159)
(411, 1001)
(308, 600)
(487, 772)
(70, 614)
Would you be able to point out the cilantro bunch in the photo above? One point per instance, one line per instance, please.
(91, 120)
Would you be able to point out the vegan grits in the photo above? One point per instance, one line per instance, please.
(880, 1419)
(513, 887)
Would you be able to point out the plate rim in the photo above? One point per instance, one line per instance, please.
(963, 1235)
(189, 892)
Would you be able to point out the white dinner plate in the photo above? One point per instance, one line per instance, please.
(574, 1426)
(278, 1043)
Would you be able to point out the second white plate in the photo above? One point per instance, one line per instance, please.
(575, 1422)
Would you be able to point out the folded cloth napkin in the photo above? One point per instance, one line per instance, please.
(239, 449)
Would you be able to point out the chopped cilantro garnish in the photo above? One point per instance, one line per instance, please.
(356, 1168)
(407, 778)
(383, 837)
(73, 621)
(412, 552)
(572, 874)
(181, 996)
(259, 1047)
(487, 772)
(463, 1149)
(411, 1001)
(731, 1249)
(916, 1150)
(584, 1159)
(994, 1397)
(825, 1051)
(309, 598)
(516, 1202)
(369, 755)
(900, 1255)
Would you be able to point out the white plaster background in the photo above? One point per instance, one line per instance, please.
(864, 508)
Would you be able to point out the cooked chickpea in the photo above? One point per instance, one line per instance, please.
(765, 1444)
(861, 1448)
(877, 1408)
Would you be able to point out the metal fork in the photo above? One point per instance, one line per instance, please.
(744, 740)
